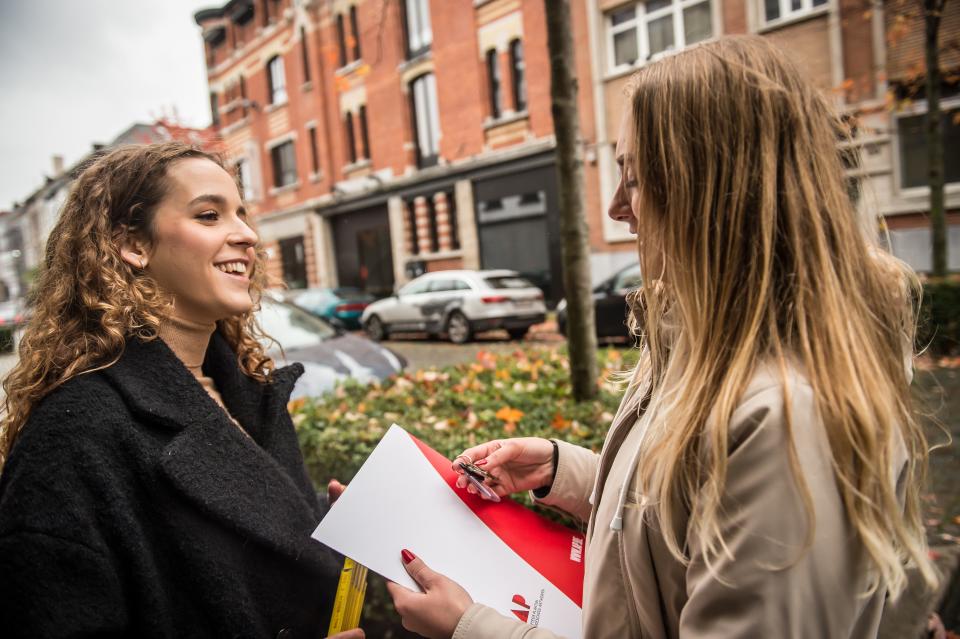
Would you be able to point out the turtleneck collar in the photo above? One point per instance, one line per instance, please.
(188, 340)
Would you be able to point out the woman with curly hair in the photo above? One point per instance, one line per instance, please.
(152, 485)
(762, 476)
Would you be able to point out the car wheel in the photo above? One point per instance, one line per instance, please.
(517, 333)
(458, 328)
(375, 329)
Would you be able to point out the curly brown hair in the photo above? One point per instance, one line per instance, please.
(87, 301)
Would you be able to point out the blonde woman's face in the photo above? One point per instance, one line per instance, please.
(626, 199)
(627, 204)
(203, 249)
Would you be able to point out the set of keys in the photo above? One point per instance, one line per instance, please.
(478, 478)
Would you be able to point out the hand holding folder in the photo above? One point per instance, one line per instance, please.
(406, 496)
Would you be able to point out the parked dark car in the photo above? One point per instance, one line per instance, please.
(328, 354)
(609, 303)
(340, 306)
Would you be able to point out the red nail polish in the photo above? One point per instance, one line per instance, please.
(482, 462)
(407, 556)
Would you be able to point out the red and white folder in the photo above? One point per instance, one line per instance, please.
(503, 554)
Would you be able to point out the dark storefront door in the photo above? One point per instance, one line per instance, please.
(364, 251)
(518, 224)
(294, 260)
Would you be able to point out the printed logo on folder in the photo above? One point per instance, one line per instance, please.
(505, 555)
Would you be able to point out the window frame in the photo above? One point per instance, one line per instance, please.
(518, 72)
(919, 108)
(314, 150)
(789, 14)
(412, 221)
(355, 31)
(214, 108)
(341, 42)
(431, 117)
(494, 84)
(245, 176)
(433, 225)
(453, 221)
(642, 18)
(305, 54)
(351, 138)
(417, 21)
(277, 80)
(276, 162)
(364, 133)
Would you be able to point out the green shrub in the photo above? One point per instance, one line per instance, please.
(526, 393)
(939, 326)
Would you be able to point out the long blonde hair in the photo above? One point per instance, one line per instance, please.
(759, 257)
(87, 301)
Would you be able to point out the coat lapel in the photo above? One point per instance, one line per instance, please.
(254, 485)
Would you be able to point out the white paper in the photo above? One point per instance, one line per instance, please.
(398, 500)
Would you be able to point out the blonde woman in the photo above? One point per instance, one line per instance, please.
(761, 476)
(151, 483)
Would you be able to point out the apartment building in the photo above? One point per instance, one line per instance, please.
(376, 140)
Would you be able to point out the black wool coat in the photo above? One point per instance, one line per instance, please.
(131, 506)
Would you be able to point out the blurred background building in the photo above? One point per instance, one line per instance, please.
(379, 139)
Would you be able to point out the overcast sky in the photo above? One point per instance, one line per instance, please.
(75, 72)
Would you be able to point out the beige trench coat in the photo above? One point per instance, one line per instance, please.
(634, 587)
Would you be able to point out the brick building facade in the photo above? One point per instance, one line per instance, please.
(378, 139)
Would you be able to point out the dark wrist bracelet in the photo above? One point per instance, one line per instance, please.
(543, 491)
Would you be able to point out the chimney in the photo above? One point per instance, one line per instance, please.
(57, 165)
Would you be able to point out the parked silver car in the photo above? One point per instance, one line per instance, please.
(458, 303)
(328, 355)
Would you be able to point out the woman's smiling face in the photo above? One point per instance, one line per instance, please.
(202, 250)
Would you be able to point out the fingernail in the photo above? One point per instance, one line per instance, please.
(407, 556)
(482, 462)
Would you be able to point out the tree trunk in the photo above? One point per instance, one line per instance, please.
(575, 247)
(932, 11)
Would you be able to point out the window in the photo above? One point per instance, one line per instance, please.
(518, 68)
(434, 230)
(245, 177)
(305, 54)
(639, 32)
(341, 41)
(314, 156)
(364, 135)
(493, 79)
(278, 81)
(412, 223)
(506, 282)
(351, 140)
(912, 142)
(284, 164)
(628, 278)
(355, 32)
(293, 258)
(415, 287)
(214, 109)
(774, 10)
(416, 16)
(454, 224)
(426, 120)
(243, 96)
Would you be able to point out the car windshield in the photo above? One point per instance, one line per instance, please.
(414, 287)
(629, 278)
(508, 281)
(291, 327)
